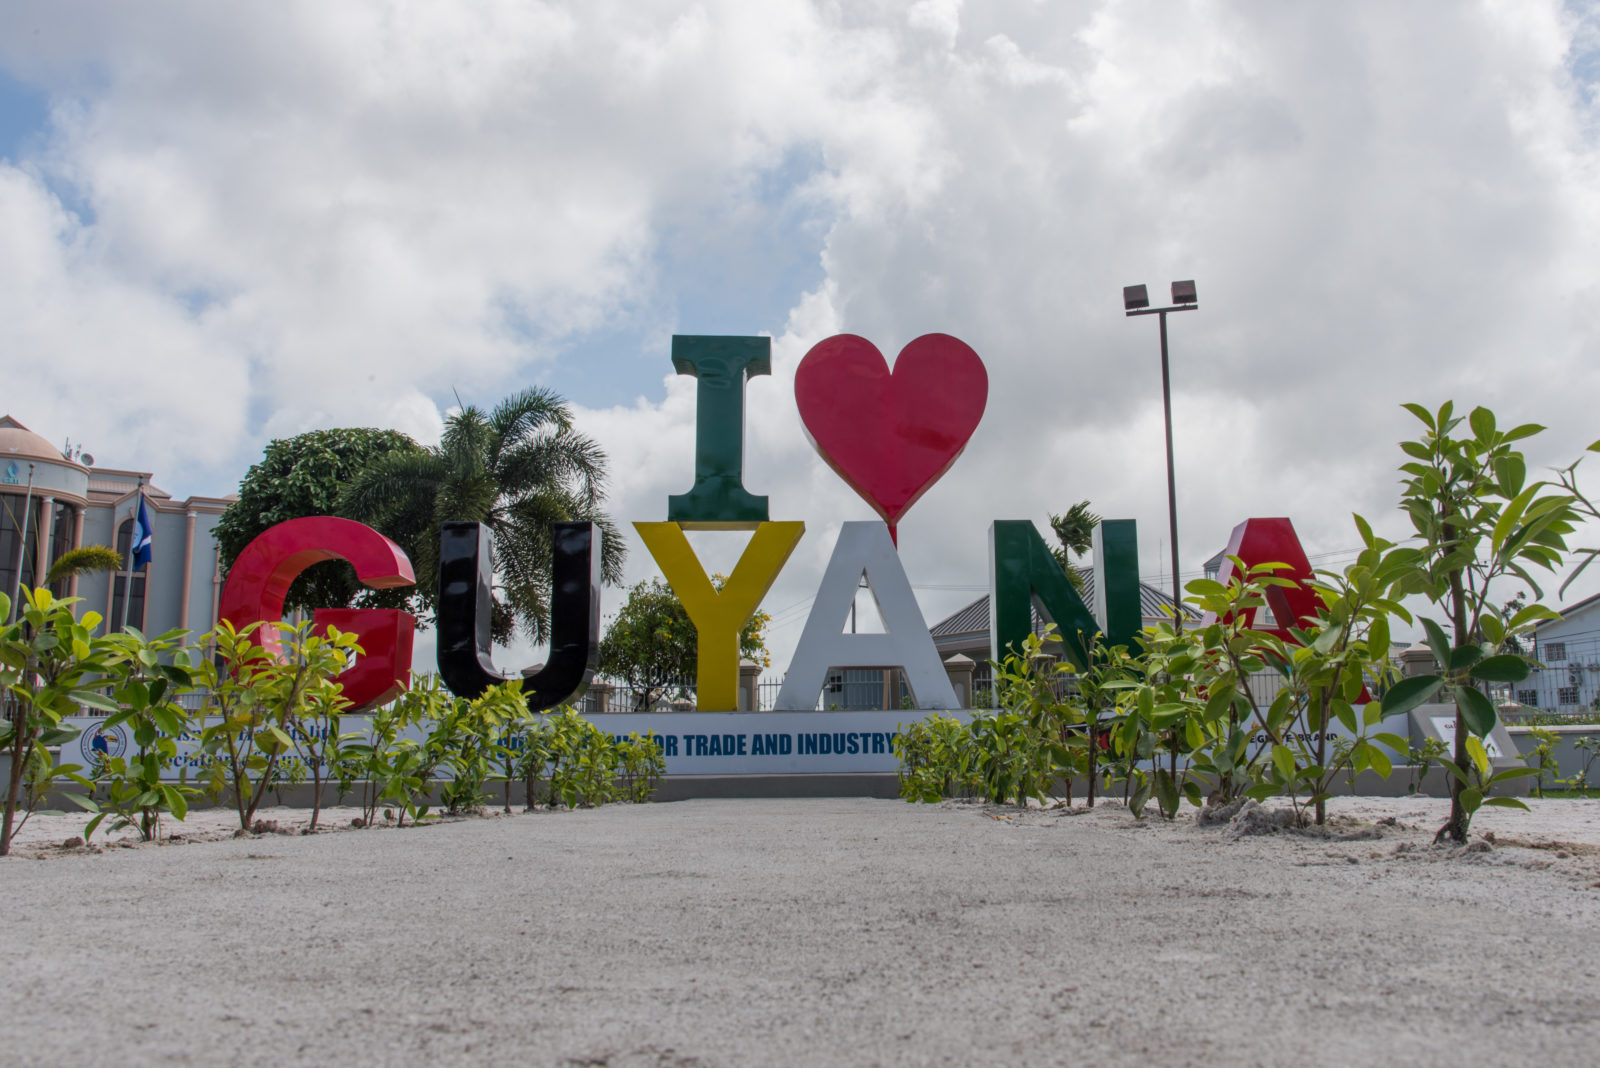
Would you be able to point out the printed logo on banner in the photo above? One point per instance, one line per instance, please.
(102, 743)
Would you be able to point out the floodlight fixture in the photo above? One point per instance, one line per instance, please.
(1183, 293)
(1135, 297)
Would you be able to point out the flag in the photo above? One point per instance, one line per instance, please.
(141, 537)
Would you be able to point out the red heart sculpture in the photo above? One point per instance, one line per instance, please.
(891, 435)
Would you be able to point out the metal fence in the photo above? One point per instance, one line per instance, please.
(1566, 678)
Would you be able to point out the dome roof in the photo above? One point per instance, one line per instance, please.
(17, 442)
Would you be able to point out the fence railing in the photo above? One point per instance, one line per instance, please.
(1566, 678)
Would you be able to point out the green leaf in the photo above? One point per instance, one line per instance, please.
(1283, 760)
(1507, 667)
(1423, 414)
(1478, 754)
(1477, 711)
(1464, 656)
(1378, 638)
(1410, 692)
(1526, 430)
(1437, 641)
(1505, 802)
(1140, 797)
(1166, 792)
(1471, 799)
(1482, 422)
(1510, 471)
(1379, 760)
(97, 700)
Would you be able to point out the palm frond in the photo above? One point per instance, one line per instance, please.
(568, 460)
(524, 413)
(397, 483)
(83, 561)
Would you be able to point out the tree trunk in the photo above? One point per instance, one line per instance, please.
(1322, 757)
(1456, 828)
(13, 785)
(1094, 741)
(316, 786)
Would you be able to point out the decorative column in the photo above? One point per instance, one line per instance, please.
(1418, 660)
(77, 543)
(188, 572)
(960, 667)
(749, 686)
(45, 528)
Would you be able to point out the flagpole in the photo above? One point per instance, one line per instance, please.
(22, 548)
(127, 585)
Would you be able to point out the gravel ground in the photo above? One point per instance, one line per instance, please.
(815, 932)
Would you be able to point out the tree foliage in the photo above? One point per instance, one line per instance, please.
(305, 476)
(520, 469)
(1478, 520)
(1075, 532)
(651, 644)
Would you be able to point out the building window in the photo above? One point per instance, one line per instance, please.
(1554, 652)
(1528, 697)
(65, 518)
(120, 584)
(11, 525)
(1567, 695)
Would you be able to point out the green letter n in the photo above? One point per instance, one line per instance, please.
(1023, 574)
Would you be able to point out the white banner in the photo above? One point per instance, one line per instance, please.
(694, 743)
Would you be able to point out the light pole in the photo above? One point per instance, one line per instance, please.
(1136, 301)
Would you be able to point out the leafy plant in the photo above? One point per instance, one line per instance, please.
(639, 765)
(261, 702)
(572, 759)
(150, 677)
(1588, 750)
(391, 768)
(466, 740)
(1422, 758)
(936, 759)
(1478, 520)
(1542, 757)
(50, 665)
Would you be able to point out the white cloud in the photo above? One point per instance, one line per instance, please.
(309, 214)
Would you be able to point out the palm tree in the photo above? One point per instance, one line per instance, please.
(1075, 531)
(519, 469)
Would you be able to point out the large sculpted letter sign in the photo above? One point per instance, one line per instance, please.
(259, 580)
(465, 602)
(890, 434)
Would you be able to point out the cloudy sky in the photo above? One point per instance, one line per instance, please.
(228, 223)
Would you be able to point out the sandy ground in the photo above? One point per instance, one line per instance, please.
(814, 932)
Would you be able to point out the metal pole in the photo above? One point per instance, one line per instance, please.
(1172, 483)
(127, 582)
(22, 547)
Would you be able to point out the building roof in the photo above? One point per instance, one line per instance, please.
(1568, 611)
(17, 442)
(974, 618)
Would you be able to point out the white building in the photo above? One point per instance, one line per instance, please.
(1567, 650)
(61, 502)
